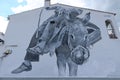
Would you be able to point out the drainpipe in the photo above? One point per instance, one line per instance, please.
(47, 3)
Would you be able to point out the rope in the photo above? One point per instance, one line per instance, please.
(39, 22)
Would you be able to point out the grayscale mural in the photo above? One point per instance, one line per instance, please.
(63, 34)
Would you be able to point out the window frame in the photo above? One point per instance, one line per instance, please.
(111, 30)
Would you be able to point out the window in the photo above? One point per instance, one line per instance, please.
(110, 29)
(1, 41)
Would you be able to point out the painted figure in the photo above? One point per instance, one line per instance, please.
(66, 35)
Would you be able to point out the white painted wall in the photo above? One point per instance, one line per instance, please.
(103, 62)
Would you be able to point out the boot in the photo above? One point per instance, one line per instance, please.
(21, 68)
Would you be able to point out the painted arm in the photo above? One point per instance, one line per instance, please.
(94, 34)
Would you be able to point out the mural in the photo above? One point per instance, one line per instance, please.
(63, 34)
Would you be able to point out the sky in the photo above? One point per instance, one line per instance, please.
(9, 7)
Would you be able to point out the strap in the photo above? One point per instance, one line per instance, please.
(28, 67)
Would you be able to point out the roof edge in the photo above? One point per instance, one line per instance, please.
(23, 12)
(88, 9)
(64, 5)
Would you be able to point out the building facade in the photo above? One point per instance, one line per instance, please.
(104, 47)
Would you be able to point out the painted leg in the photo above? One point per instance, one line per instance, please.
(61, 67)
(73, 67)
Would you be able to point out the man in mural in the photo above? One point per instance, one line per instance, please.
(45, 33)
(63, 29)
